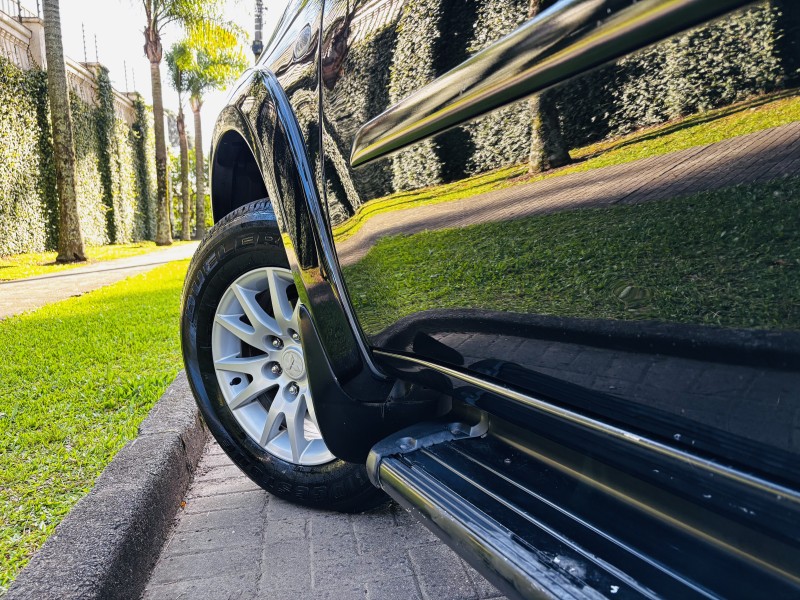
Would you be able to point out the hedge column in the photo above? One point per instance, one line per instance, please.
(70, 238)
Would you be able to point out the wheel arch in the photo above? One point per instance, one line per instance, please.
(259, 129)
(236, 177)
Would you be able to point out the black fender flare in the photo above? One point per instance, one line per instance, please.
(354, 402)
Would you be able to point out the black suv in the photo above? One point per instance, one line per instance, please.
(531, 268)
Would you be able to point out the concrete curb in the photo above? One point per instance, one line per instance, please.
(108, 544)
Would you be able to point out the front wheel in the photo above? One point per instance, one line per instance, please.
(245, 362)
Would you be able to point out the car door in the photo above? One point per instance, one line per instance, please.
(623, 244)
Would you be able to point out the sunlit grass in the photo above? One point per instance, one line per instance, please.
(707, 128)
(76, 380)
(34, 264)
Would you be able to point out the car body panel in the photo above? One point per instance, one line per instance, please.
(634, 325)
(461, 281)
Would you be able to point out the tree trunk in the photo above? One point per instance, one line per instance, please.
(163, 230)
(548, 150)
(200, 184)
(184, 145)
(70, 238)
(788, 43)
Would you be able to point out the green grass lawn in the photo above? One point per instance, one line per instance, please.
(714, 126)
(76, 380)
(33, 264)
(728, 257)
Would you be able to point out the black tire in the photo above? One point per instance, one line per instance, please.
(244, 240)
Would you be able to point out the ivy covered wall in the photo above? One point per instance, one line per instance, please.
(361, 92)
(112, 162)
(503, 136)
(142, 140)
(89, 186)
(681, 77)
(412, 67)
(24, 213)
(675, 78)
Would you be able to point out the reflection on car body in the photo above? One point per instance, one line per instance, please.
(611, 334)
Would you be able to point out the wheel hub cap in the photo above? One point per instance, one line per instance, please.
(293, 364)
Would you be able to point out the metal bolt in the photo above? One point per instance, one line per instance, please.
(277, 343)
(295, 336)
(276, 369)
(294, 389)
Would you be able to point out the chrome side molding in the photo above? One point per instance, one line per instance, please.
(571, 37)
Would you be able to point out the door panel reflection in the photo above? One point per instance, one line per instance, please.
(674, 228)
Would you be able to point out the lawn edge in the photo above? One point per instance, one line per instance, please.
(108, 544)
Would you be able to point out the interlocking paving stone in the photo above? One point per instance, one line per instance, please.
(232, 587)
(232, 540)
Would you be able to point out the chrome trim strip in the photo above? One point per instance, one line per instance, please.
(568, 39)
(596, 425)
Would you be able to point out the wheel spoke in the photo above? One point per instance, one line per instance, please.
(275, 419)
(248, 394)
(281, 307)
(252, 365)
(254, 312)
(243, 331)
(294, 427)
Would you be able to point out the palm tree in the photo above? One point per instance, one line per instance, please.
(215, 62)
(70, 238)
(179, 81)
(192, 15)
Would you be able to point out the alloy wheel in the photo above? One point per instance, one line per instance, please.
(260, 367)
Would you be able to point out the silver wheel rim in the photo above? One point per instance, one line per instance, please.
(259, 363)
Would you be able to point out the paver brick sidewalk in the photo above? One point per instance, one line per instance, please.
(233, 540)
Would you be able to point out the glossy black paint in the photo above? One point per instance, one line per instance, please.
(732, 389)
(681, 480)
(568, 39)
(339, 412)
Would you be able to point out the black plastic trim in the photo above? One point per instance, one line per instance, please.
(350, 426)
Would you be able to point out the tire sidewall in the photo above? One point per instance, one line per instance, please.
(234, 247)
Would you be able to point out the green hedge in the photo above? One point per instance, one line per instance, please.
(412, 67)
(676, 78)
(361, 92)
(502, 137)
(88, 177)
(142, 140)
(23, 209)
(112, 166)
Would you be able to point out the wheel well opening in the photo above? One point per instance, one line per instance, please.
(235, 177)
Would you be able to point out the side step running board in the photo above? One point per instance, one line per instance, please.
(538, 531)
